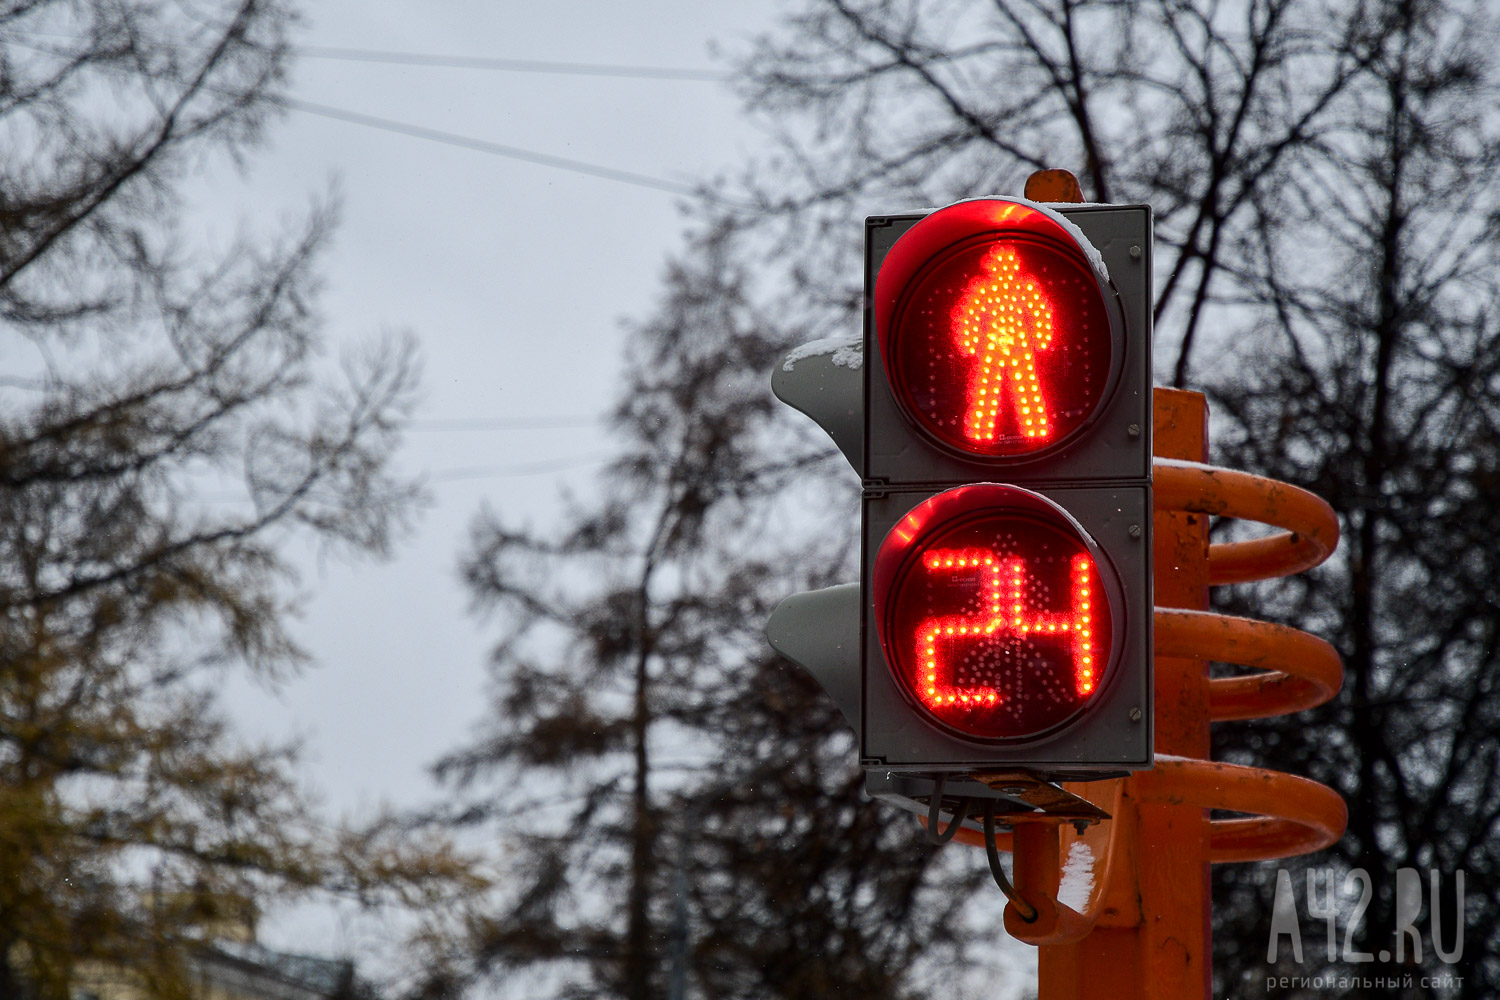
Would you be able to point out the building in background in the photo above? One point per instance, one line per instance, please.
(231, 965)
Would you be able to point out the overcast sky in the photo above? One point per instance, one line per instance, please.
(515, 278)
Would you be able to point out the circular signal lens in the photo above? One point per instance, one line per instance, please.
(994, 613)
(994, 330)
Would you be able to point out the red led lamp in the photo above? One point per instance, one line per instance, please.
(994, 330)
(996, 613)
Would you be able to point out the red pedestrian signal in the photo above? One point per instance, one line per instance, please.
(999, 418)
(997, 345)
(994, 611)
(1006, 405)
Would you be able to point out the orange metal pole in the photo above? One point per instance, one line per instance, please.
(1175, 934)
(1143, 930)
(1164, 950)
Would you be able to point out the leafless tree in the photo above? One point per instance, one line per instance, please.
(1323, 181)
(681, 809)
(166, 430)
(1322, 176)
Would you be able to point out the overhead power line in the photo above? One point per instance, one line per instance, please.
(501, 423)
(493, 148)
(510, 65)
(482, 145)
(459, 474)
(521, 469)
(498, 63)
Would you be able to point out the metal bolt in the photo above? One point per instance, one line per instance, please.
(1080, 825)
(1135, 531)
(1135, 253)
(1134, 430)
(1013, 790)
(1135, 715)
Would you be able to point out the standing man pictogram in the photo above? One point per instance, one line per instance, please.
(1002, 319)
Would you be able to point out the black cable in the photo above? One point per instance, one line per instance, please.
(501, 423)
(522, 469)
(485, 146)
(935, 833)
(992, 853)
(453, 62)
(479, 145)
(509, 65)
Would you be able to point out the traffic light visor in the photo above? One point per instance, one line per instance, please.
(993, 329)
(995, 612)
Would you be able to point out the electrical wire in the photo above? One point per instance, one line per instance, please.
(494, 63)
(522, 469)
(483, 146)
(997, 871)
(455, 475)
(509, 65)
(935, 833)
(496, 148)
(502, 423)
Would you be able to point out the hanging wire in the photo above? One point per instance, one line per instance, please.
(935, 833)
(1025, 909)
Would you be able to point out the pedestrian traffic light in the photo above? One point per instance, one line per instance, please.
(1000, 424)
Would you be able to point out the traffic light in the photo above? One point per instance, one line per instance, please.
(999, 418)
